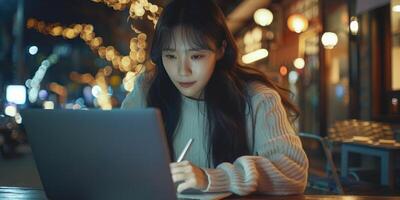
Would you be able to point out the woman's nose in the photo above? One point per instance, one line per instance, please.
(184, 68)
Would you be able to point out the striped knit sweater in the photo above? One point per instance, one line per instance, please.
(278, 165)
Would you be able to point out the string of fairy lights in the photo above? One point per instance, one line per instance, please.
(130, 64)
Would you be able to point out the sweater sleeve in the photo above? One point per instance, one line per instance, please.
(281, 165)
(136, 98)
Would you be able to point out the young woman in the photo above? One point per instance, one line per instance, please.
(240, 122)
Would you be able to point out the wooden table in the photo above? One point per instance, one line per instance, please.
(38, 194)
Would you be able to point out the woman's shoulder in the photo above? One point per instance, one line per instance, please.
(144, 78)
(264, 98)
(261, 91)
(136, 98)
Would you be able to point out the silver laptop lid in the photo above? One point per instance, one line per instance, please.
(94, 154)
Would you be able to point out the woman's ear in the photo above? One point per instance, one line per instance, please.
(221, 50)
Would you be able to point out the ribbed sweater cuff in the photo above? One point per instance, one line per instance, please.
(218, 180)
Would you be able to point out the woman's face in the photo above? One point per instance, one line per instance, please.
(188, 67)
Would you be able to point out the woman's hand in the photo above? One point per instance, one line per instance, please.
(188, 176)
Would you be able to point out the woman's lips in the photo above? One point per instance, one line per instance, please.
(186, 84)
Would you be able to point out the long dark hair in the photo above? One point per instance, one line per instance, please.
(225, 95)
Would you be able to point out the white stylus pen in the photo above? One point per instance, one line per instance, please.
(185, 150)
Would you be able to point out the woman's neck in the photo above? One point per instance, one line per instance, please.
(192, 98)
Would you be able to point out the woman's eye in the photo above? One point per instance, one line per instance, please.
(196, 57)
(169, 56)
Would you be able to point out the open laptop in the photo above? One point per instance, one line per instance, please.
(94, 154)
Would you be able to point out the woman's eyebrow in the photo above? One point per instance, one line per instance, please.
(197, 49)
(168, 49)
(190, 49)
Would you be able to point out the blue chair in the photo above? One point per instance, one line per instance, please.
(328, 181)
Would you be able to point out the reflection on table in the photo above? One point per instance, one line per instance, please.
(38, 194)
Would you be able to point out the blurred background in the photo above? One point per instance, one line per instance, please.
(339, 58)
